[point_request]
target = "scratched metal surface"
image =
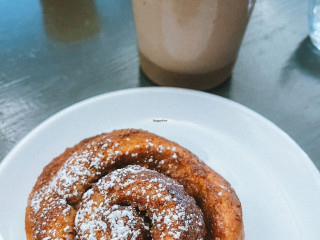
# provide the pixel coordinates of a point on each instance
(54, 54)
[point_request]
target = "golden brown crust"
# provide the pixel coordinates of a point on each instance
(163, 200)
(62, 184)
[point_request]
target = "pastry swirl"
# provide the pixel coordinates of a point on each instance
(131, 184)
(173, 213)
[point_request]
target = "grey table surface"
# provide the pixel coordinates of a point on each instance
(54, 54)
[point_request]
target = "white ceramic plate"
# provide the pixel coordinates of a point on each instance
(278, 185)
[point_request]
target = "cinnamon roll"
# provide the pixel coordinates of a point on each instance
(131, 184)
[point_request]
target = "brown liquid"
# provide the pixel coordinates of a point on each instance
(200, 81)
(189, 43)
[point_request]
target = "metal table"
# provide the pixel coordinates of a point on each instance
(54, 54)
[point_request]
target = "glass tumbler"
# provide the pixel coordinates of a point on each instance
(190, 43)
(314, 22)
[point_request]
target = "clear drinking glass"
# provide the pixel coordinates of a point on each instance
(314, 22)
(190, 43)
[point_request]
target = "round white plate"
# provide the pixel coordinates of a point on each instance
(278, 185)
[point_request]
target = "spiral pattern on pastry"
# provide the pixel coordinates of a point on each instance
(131, 184)
(173, 213)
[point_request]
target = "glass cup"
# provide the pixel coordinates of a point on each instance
(190, 43)
(69, 21)
(314, 22)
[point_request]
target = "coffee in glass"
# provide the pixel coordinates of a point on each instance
(190, 43)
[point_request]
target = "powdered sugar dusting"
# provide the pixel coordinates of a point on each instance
(71, 181)
(162, 198)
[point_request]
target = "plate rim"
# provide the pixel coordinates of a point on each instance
(244, 109)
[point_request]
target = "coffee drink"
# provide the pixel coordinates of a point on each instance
(190, 43)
